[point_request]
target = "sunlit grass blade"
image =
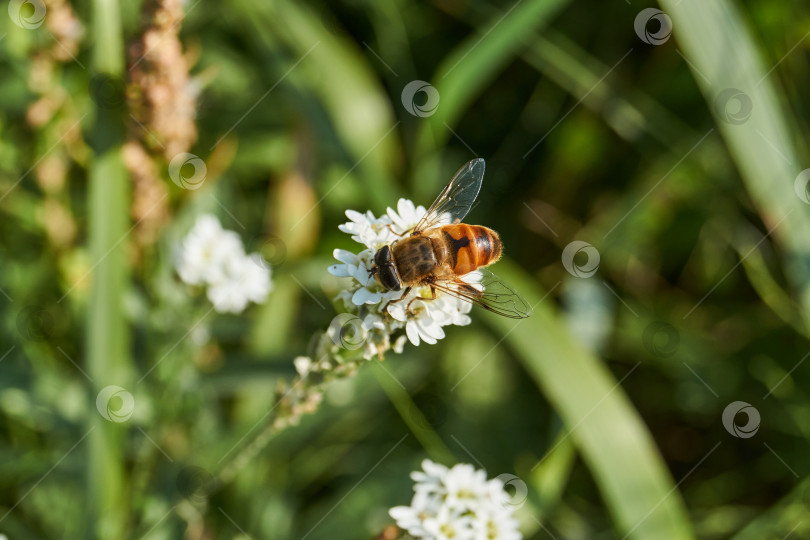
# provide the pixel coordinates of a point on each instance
(630, 112)
(610, 435)
(739, 88)
(549, 478)
(331, 66)
(466, 71)
(476, 61)
(767, 287)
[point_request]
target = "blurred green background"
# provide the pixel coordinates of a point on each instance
(678, 158)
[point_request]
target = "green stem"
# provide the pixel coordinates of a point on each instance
(107, 338)
(414, 419)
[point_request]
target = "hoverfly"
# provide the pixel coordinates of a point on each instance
(440, 250)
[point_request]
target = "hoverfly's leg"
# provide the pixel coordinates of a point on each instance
(432, 297)
(395, 232)
(400, 299)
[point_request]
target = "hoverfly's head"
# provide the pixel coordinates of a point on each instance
(384, 270)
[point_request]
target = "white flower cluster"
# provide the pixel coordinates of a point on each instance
(366, 298)
(214, 257)
(457, 503)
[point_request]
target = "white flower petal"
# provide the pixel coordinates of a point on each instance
(430, 340)
(302, 364)
(399, 344)
(399, 225)
(473, 277)
(362, 275)
(397, 311)
(345, 256)
(412, 332)
(364, 296)
(434, 469)
(227, 297)
(372, 321)
(406, 209)
(215, 257)
(339, 270)
(431, 329)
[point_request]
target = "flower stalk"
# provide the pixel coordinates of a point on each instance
(369, 326)
(107, 342)
(301, 396)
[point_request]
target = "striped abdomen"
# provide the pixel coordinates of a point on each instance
(464, 248)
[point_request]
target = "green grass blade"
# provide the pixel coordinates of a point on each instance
(723, 54)
(477, 60)
(550, 477)
(786, 518)
(332, 67)
(630, 112)
(469, 69)
(610, 435)
(412, 416)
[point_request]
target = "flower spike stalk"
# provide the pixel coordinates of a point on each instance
(369, 327)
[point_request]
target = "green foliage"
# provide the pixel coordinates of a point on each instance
(677, 162)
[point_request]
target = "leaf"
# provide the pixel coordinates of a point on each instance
(742, 95)
(607, 430)
(333, 68)
(469, 69)
(476, 62)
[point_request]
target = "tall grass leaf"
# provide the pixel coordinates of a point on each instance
(786, 518)
(467, 71)
(344, 82)
(610, 435)
(739, 88)
(476, 62)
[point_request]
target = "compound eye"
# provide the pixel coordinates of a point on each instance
(383, 256)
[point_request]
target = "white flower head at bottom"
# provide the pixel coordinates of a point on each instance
(457, 502)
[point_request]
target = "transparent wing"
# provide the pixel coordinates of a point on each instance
(491, 293)
(456, 198)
